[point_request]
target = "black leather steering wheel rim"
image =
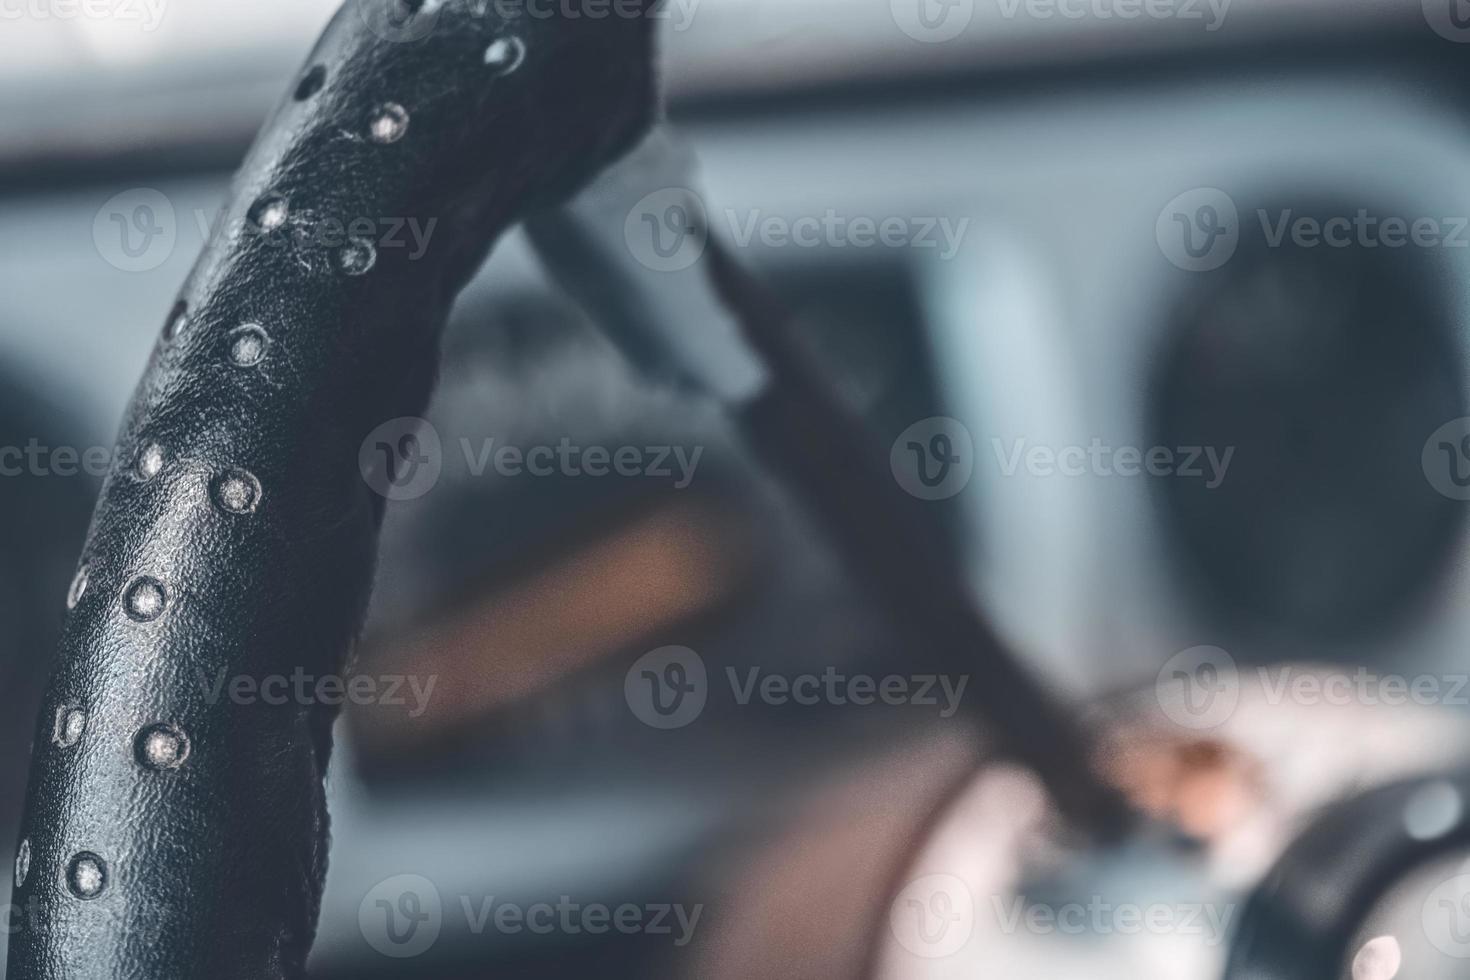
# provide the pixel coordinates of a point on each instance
(170, 832)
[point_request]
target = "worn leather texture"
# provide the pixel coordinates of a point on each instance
(172, 829)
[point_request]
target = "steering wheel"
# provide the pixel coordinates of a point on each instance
(172, 831)
(168, 832)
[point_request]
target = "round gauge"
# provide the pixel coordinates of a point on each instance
(1319, 372)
